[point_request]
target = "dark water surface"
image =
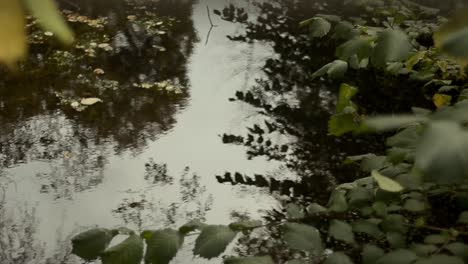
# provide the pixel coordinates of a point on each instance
(134, 160)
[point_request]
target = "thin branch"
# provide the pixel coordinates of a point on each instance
(209, 17)
(211, 25)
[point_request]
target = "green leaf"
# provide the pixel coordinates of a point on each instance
(344, 30)
(458, 249)
(414, 205)
(47, 13)
(360, 196)
(371, 253)
(396, 240)
(337, 202)
(294, 211)
(302, 237)
(437, 239)
(245, 225)
(392, 45)
(380, 209)
(423, 250)
(452, 37)
(315, 208)
(13, 44)
(439, 259)
(400, 256)
(213, 241)
(250, 260)
(342, 123)
(394, 223)
(346, 93)
(337, 70)
(415, 59)
(463, 218)
(366, 227)
(342, 231)
(130, 251)
(319, 27)
(442, 153)
(338, 258)
(163, 245)
(90, 244)
(191, 226)
(334, 70)
(386, 123)
(385, 183)
(359, 46)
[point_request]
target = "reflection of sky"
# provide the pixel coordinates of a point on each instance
(216, 70)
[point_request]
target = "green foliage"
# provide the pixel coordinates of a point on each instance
(162, 245)
(302, 237)
(213, 240)
(130, 251)
(90, 244)
(250, 260)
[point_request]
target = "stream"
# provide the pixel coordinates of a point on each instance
(61, 175)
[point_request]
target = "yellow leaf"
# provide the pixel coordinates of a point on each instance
(13, 45)
(441, 100)
(49, 18)
(90, 101)
(386, 183)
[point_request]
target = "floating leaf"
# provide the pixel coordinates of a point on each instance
(13, 45)
(342, 231)
(302, 237)
(130, 251)
(90, 244)
(386, 183)
(213, 241)
(392, 45)
(163, 246)
(250, 260)
(90, 101)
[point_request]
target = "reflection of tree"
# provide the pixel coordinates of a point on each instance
(193, 203)
(38, 122)
(293, 103)
(128, 116)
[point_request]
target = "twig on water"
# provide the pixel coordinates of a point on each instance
(211, 25)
